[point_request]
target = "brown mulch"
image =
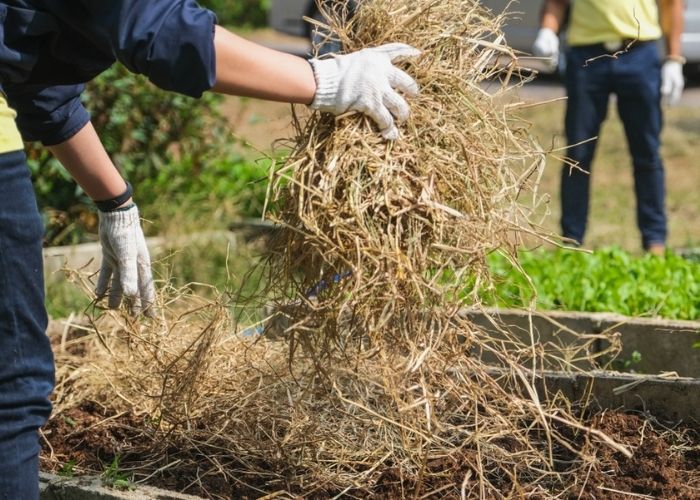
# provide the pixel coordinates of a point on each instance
(665, 465)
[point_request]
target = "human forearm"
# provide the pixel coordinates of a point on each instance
(246, 69)
(672, 23)
(553, 14)
(125, 272)
(89, 164)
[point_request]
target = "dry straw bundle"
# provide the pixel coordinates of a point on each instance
(401, 223)
(379, 241)
(369, 380)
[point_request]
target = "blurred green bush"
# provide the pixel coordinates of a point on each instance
(240, 13)
(177, 152)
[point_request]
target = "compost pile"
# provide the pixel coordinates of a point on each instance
(366, 379)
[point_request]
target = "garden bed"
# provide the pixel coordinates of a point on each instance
(87, 438)
(665, 464)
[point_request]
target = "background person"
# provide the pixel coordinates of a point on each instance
(613, 49)
(48, 48)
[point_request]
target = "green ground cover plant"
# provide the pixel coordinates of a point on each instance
(607, 280)
(115, 478)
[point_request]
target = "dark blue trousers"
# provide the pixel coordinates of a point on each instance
(26, 360)
(635, 77)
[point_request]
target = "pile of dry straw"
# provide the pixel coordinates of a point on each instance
(367, 380)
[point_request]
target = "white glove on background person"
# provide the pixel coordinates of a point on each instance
(126, 264)
(547, 46)
(366, 81)
(672, 81)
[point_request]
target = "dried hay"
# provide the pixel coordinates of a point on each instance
(410, 222)
(373, 382)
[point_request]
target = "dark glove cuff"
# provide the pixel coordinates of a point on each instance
(114, 203)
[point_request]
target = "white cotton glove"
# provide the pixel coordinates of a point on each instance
(546, 46)
(366, 81)
(125, 262)
(672, 81)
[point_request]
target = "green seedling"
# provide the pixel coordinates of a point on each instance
(608, 280)
(115, 478)
(68, 469)
(628, 365)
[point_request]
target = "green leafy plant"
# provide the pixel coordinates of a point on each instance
(68, 469)
(608, 280)
(628, 364)
(115, 478)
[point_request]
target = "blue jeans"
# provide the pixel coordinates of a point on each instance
(635, 77)
(26, 360)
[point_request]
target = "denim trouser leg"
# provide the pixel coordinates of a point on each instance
(637, 83)
(26, 360)
(635, 77)
(588, 90)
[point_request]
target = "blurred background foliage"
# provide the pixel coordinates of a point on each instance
(239, 13)
(178, 153)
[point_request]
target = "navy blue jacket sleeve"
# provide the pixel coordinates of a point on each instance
(169, 41)
(50, 114)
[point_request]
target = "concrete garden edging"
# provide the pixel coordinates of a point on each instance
(665, 345)
(54, 487)
(667, 398)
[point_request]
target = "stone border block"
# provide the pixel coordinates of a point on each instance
(54, 487)
(665, 345)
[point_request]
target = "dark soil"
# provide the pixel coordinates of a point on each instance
(665, 465)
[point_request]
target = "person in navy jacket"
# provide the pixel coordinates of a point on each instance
(48, 50)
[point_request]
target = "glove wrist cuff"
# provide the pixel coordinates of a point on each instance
(120, 218)
(327, 83)
(677, 59)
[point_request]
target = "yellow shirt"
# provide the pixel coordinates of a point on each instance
(10, 140)
(600, 21)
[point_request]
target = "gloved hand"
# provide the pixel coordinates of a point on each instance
(672, 81)
(125, 262)
(547, 46)
(366, 81)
